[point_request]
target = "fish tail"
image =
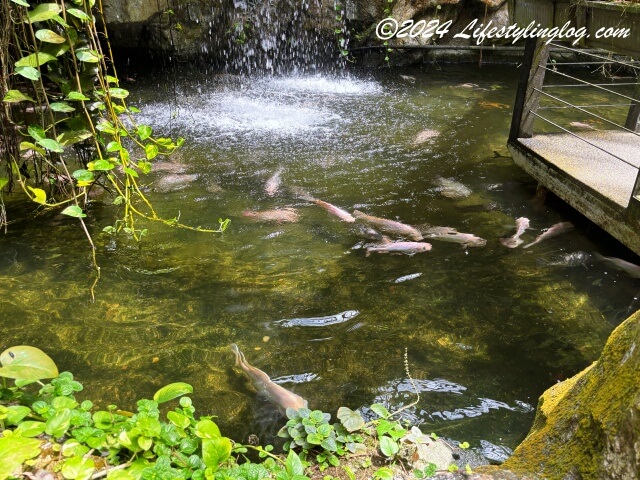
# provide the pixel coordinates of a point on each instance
(238, 353)
(302, 194)
(598, 257)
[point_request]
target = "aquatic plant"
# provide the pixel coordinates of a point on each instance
(66, 127)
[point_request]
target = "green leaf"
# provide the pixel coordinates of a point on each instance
(86, 55)
(351, 420)
(21, 2)
(37, 132)
(76, 96)
(73, 448)
(112, 80)
(73, 136)
(51, 144)
(28, 72)
(144, 132)
(206, 428)
(106, 127)
(380, 410)
(61, 107)
(74, 211)
(293, 464)
(215, 451)
(49, 36)
(15, 450)
(76, 12)
(58, 425)
(83, 175)
(34, 60)
(78, 468)
(131, 172)
(173, 390)
(178, 419)
(30, 429)
(3, 182)
(388, 446)
(27, 363)
(16, 413)
(118, 92)
(44, 11)
(15, 96)
(383, 473)
(100, 165)
(151, 151)
(145, 167)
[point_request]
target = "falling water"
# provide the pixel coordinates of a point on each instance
(281, 36)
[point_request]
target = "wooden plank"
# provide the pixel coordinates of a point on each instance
(536, 53)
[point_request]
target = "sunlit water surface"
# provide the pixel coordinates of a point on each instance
(486, 329)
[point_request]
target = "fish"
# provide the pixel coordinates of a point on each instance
(629, 268)
(430, 230)
(450, 188)
(276, 394)
(408, 248)
(408, 78)
(550, 232)
(332, 209)
(425, 136)
(319, 321)
(391, 227)
(405, 278)
(465, 239)
(582, 126)
(279, 215)
(367, 232)
(469, 85)
(573, 259)
(272, 185)
(522, 224)
(493, 105)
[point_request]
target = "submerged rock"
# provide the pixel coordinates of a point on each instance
(589, 425)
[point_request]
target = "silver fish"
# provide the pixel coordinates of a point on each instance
(450, 188)
(522, 224)
(390, 226)
(332, 209)
(425, 136)
(276, 394)
(405, 278)
(272, 185)
(408, 248)
(465, 239)
(320, 321)
(629, 268)
(550, 232)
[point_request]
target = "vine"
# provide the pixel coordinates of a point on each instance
(66, 126)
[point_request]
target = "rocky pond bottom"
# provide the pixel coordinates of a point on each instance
(486, 328)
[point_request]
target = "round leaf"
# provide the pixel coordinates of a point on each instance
(388, 447)
(78, 468)
(171, 391)
(351, 420)
(27, 363)
(49, 36)
(74, 211)
(44, 11)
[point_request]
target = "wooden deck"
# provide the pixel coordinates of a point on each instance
(597, 174)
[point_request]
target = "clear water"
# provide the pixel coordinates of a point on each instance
(487, 329)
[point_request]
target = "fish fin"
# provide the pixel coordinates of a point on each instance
(239, 354)
(385, 240)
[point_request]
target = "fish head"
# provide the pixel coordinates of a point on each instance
(511, 242)
(425, 247)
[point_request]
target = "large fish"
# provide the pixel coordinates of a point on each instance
(573, 259)
(390, 226)
(272, 185)
(279, 215)
(522, 224)
(629, 268)
(450, 188)
(408, 248)
(550, 232)
(332, 209)
(276, 394)
(465, 239)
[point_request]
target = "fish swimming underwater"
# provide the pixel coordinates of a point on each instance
(408, 248)
(332, 209)
(629, 268)
(451, 188)
(465, 239)
(550, 232)
(522, 224)
(272, 185)
(392, 227)
(276, 394)
(279, 215)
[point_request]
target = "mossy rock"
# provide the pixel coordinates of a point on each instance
(588, 427)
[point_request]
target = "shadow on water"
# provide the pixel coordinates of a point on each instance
(487, 329)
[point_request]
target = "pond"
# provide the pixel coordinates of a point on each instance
(486, 329)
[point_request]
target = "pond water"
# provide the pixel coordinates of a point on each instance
(486, 329)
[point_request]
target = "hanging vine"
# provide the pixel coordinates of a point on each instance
(66, 126)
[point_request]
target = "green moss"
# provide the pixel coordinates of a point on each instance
(583, 425)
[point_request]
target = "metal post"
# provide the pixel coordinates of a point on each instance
(527, 100)
(633, 116)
